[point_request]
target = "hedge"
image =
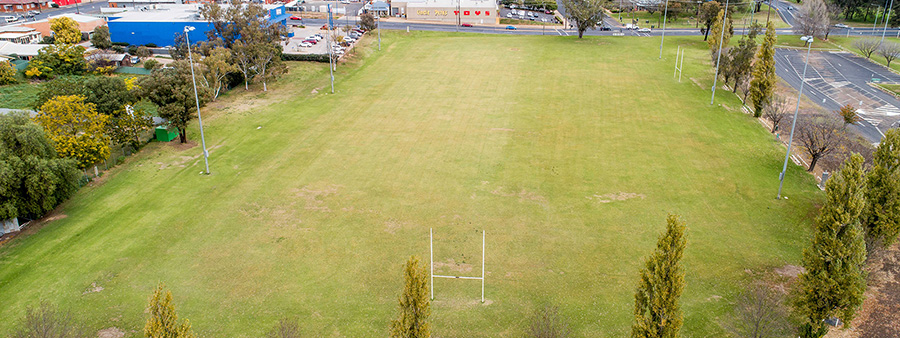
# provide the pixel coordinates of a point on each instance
(305, 57)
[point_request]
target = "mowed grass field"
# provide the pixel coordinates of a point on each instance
(569, 153)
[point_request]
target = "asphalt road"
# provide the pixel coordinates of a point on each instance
(835, 79)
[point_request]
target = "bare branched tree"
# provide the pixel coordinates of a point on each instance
(759, 312)
(286, 328)
(890, 51)
(819, 136)
(47, 321)
(867, 46)
(776, 110)
(547, 323)
(814, 19)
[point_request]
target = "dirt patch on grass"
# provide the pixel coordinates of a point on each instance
(93, 289)
(452, 265)
(523, 195)
(502, 129)
(313, 196)
(112, 332)
(789, 271)
(615, 197)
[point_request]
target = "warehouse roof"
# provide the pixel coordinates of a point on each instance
(167, 13)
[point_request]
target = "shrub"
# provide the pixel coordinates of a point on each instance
(47, 321)
(132, 50)
(305, 57)
(151, 45)
(123, 44)
(151, 64)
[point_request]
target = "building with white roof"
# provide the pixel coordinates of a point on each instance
(19, 34)
(23, 51)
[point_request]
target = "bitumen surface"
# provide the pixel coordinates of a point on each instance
(836, 78)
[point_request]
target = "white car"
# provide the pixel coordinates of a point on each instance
(509, 15)
(315, 37)
(643, 30)
(840, 25)
(305, 44)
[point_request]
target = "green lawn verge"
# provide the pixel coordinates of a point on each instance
(316, 200)
(684, 20)
(18, 96)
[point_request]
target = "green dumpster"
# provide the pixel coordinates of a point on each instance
(166, 134)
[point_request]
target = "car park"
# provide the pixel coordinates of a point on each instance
(305, 44)
(512, 28)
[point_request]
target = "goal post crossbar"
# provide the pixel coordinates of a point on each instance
(456, 277)
(431, 263)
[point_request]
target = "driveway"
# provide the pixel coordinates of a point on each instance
(835, 79)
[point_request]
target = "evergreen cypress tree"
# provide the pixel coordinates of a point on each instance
(834, 281)
(412, 321)
(163, 321)
(882, 215)
(762, 87)
(656, 310)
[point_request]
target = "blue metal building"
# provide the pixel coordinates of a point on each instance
(159, 24)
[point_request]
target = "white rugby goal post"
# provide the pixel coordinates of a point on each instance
(431, 243)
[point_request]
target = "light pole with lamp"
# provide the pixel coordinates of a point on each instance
(665, 16)
(887, 16)
(719, 56)
(196, 97)
(809, 40)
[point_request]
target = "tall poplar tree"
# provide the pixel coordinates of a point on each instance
(762, 87)
(882, 214)
(656, 309)
(834, 280)
(716, 34)
(415, 306)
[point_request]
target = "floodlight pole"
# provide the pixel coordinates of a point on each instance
(196, 97)
(378, 24)
(665, 17)
(887, 17)
(328, 24)
(787, 156)
(482, 266)
(431, 260)
(719, 56)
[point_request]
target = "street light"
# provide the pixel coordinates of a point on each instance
(665, 16)
(809, 40)
(196, 98)
(887, 16)
(719, 56)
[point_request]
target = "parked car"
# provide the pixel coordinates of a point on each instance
(511, 28)
(310, 41)
(509, 15)
(548, 12)
(466, 25)
(790, 8)
(643, 30)
(296, 18)
(605, 28)
(305, 44)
